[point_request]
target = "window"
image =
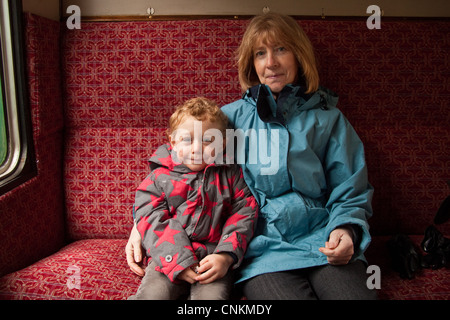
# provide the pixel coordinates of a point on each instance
(17, 163)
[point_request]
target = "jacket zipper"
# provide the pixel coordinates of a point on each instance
(202, 193)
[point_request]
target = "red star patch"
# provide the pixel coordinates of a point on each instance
(166, 215)
(196, 245)
(155, 201)
(217, 183)
(209, 205)
(191, 249)
(234, 219)
(159, 171)
(214, 233)
(167, 161)
(166, 235)
(238, 193)
(251, 202)
(180, 188)
(143, 226)
(144, 184)
(192, 205)
(173, 212)
(169, 268)
(231, 180)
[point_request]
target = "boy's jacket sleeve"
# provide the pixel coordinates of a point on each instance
(240, 225)
(162, 237)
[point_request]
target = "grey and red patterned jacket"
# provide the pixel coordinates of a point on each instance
(182, 216)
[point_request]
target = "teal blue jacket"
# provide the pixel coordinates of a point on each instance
(305, 165)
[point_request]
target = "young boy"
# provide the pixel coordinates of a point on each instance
(194, 213)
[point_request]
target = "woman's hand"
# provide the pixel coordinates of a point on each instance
(213, 267)
(339, 247)
(134, 252)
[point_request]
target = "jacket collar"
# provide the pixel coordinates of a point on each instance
(292, 96)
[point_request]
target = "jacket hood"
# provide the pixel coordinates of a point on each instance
(162, 157)
(270, 110)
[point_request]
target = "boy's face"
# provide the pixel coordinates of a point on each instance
(197, 143)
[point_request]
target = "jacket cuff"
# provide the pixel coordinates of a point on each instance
(172, 268)
(355, 232)
(234, 256)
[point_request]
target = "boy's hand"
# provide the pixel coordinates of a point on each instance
(213, 267)
(188, 274)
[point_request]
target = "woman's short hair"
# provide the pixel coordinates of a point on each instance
(273, 28)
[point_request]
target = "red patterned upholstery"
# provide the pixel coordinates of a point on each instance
(104, 166)
(32, 215)
(121, 81)
(85, 269)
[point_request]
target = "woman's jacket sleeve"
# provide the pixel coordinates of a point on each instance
(350, 194)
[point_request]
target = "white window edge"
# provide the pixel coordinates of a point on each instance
(11, 166)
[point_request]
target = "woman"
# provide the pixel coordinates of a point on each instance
(312, 230)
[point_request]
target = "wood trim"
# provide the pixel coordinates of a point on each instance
(116, 18)
(162, 18)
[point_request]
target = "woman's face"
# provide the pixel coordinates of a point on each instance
(275, 65)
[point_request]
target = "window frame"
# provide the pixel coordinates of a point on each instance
(3, 129)
(20, 165)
